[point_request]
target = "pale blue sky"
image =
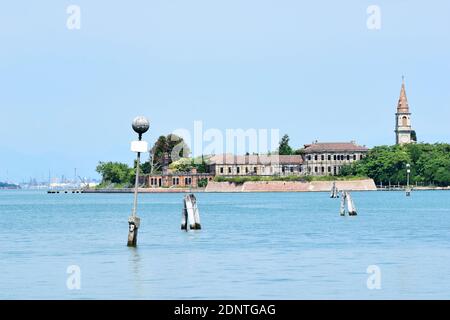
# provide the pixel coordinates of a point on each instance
(309, 68)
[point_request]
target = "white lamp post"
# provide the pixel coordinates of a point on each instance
(140, 126)
(408, 172)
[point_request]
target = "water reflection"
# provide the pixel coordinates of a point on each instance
(135, 268)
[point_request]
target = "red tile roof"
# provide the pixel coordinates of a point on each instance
(334, 147)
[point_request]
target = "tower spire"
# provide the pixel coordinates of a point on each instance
(403, 130)
(402, 106)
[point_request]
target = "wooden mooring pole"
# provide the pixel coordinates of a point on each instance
(190, 216)
(134, 221)
(346, 200)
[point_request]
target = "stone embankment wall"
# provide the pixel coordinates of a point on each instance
(290, 186)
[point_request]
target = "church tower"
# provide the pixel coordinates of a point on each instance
(403, 130)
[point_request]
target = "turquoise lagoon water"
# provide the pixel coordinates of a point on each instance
(252, 246)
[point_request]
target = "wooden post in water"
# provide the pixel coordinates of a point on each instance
(140, 125)
(342, 208)
(334, 191)
(197, 224)
(190, 214)
(350, 205)
(184, 216)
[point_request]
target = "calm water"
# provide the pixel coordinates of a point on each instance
(258, 246)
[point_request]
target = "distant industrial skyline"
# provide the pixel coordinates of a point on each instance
(315, 71)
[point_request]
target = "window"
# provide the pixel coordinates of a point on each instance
(292, 169)
(238, 169)
(354, 157)
(246, 169)
(329, 157)
(404, 121)
(361, 157)
(323, 169)
(309, 157)
(322, 157)
(221, 169)
(329, 169)
(334, 171)
(315, 169)
(315, 157)
(229, 169)
(254, 169)
(334, 157)
(348, 157)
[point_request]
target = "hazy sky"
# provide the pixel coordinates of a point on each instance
(311, 69)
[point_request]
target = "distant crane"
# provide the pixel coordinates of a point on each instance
(83, 181)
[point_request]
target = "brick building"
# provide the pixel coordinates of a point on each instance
(176, 179)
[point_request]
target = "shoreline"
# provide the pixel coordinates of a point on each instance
(179, 190)
(271, 186)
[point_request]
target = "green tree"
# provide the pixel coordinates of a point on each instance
(182, 165)
(298, 151)
(284, 147)
(200, 164)
(202, 183)
(172, 145)
(115, 172)
(430, 164)
(145, 167)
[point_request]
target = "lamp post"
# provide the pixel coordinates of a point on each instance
(408, 172)
(140, 126)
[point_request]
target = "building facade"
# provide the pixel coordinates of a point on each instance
(317, 159)
(255, 165)
(321, 159)
(168, 179)
(403, 129)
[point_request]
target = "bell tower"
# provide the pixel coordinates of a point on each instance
(403, 128)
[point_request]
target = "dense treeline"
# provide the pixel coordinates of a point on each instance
(430, 164)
